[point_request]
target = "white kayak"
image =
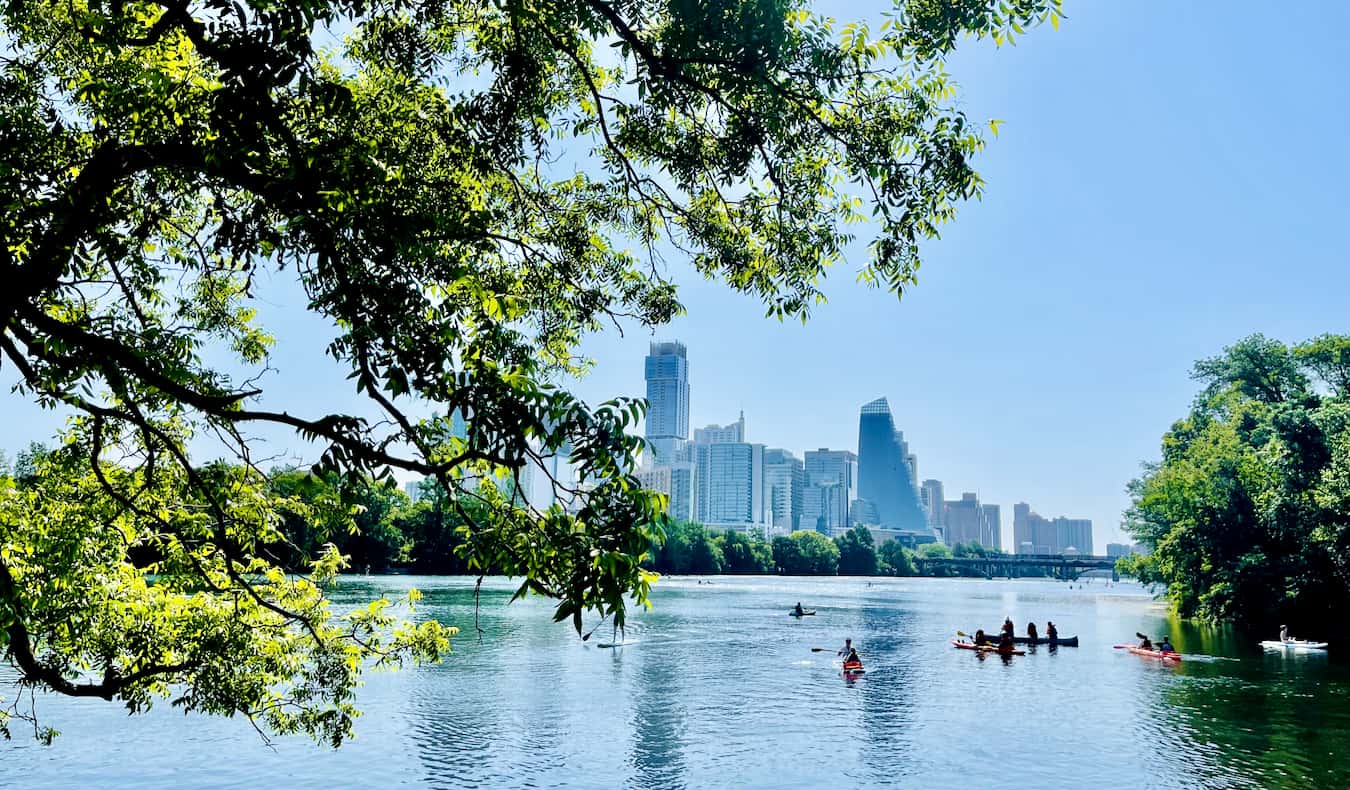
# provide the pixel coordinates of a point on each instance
(1293, 644)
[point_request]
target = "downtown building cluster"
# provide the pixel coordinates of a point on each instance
(721, 479)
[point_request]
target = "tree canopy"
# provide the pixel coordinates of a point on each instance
(462, 190)
(1248, 510)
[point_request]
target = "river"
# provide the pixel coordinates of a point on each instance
(720, 688)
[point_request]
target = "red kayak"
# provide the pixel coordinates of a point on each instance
(1164, 655)
(987, 648)
(853, 668)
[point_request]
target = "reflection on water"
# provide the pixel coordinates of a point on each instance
(718, 687)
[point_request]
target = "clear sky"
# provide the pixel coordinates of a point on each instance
(1167, 181)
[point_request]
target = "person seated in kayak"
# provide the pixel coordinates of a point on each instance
(1008, 626)
(1284, 633)
(1005, 641)
(853, 658)
(798, 611)
(1166, 645)
(980, 638)
(1051, 632)
(1144, 642)
(1031, 631)
(848, 648)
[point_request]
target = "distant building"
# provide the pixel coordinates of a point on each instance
(667, 424)
(1119, 549)
(678, 482)
(831, 487)
(784, 485)
(721, 434)
(731, 486)
(1035, 534)
(932, 497)
(413, 488)
(964, 520)
(884, 475)
(991, 535)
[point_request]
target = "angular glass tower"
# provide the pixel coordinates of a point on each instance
(884, 472)
(667, 374)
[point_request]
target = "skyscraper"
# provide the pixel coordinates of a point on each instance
(731, 485)
(933, 496)
(884, 470)
(1035, 534)
(992, 537)
(831, 487)
(784, 481)
(667, 374)
(721, 434)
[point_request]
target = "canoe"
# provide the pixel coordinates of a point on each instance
(986, 648)
(803, 614)
(1165, 655)
(1294, 644)
(1063, 641)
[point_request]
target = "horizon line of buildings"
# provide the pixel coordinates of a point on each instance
(724, 481)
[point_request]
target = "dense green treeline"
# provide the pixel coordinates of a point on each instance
(1248, 510)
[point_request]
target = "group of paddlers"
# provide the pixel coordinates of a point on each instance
(1005, 636)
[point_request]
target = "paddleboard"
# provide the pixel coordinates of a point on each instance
(1294, 644)
(614, 644)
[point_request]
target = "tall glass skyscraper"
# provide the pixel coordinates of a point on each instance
(884, 471)
(667, 374)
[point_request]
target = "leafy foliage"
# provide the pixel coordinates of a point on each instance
(857, 552)
(805, 553)
(462, 190)
(1247, 512)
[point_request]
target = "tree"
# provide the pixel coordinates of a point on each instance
(857, 552)
(1245, 511)
(806, 553)
(743, 554)
(896, 559)
(158, 155)
(936, 551)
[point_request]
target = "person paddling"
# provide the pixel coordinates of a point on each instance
(1144, 642)
(1008, 627)
(1005, 642)
(1284, 633)
(798, 611)
(980, 638)
(1031, 632)
(847, 649)
(1166, 645)
(1051, 632)
(852, 661)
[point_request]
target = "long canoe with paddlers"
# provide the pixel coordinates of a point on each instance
(1060, 641)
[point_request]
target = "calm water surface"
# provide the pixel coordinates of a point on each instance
(719, 688)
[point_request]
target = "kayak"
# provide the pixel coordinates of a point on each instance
(853, 668)
(1165, 655)
(1294, 644)
(803, 614)
(987, 648)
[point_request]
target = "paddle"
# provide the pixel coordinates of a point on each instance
(827, 650)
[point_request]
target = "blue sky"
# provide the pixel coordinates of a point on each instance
(1166, 181)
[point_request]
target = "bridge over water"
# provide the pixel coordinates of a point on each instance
(1055, 566)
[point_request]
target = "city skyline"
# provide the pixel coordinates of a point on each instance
(723, 479)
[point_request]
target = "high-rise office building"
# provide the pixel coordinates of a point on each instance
(934, 503)
(678, 481)
(831, 487)
(731, 486)
(992, 536)
(964, 520)
(721, 434)
(667, 428)
(1035, 534)
(884, 470)
(784, 481)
